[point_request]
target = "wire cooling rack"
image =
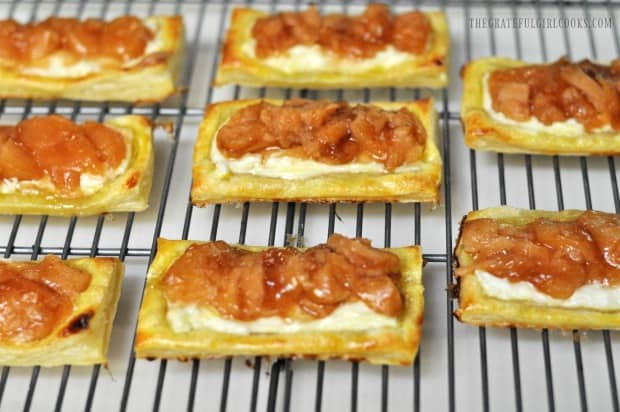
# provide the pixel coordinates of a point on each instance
(459, 367)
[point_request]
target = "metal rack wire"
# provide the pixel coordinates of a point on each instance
(276, 384)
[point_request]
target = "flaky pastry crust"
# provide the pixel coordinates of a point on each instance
(429, 69)
(152, 79)
(482, 132)
(388, 345)
(82, 338)
(128, 192)
(210, 186)
(477, 308)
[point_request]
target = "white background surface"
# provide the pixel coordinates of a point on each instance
(434, 384)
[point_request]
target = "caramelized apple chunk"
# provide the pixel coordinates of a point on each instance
(333, 133)
(16, 162)
(556, 257)
(121, 40)
(56, 147)
(584, 91)
(36, 297)
(245, 285)
(360, 36)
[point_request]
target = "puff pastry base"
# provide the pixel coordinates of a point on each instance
(237, 66)
(211, 186)
(72, 343)
(394, 345)
(150, 80)
(127, 192)
(477, 308)
(482, 132)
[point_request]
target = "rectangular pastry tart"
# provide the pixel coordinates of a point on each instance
(53, 166)
(316, 151)
(343, 299)
(559, 108)
(539, 269)
(307, 50)
(57, 312)
(125, 59)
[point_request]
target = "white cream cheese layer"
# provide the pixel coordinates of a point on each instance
(348, 317)
(570, 127)
(8, 186)
(592, 296)
(301, 58)
(58, 68)
(287, 167)
(89, 183)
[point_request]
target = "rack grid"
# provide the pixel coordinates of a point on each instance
(465, 368)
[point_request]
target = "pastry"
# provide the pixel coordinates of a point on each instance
(50, 165)
(560, 108)
(344, 300)
(539, 269)
(57, 312)
(299, 150)
(126, 59)
(306, 50)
